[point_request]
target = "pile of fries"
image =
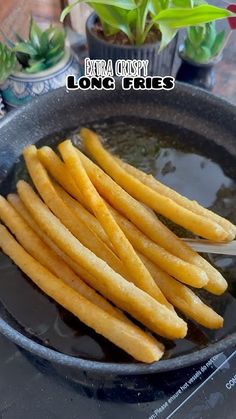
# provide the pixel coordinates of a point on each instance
(90, 238)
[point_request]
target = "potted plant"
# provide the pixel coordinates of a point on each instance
(139, 29)
(8, 63)
(38, 65)
(201, 50)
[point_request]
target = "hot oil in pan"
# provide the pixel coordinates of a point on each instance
(195, 168)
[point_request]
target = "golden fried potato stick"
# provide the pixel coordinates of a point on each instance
(184, 298)
(149, 224)
(130, 338)
(60, 173)
(110, 284)
(81, 212)
(178, 268)
(193, 206)
(161, 204)
(137, 271)
(76, 226)
(21, 209)
(185, 272)
(43, 254)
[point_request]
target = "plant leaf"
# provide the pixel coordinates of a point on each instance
(35, 34)
(219, 40)
(25, 47)
(123, 4)
(115, 17)
(182, 17)
(183, 3)
(167, 34)
(154, 7)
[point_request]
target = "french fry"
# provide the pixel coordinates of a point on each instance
(178, 268)
(59, 172)
(110, 284)
(137, 271)
(193, 206)
(161, 204)
(76, 226)
(184, 298)
(32, 243)
(150, 225)
(130, 338)
(83, 214)
(174, 266)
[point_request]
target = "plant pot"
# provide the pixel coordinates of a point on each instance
(198, 74)
(2, 107)
(159, 64)
(21, 87)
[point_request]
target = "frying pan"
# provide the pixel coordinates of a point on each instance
(198, 121)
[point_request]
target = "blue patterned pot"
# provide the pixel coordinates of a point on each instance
(21, 87)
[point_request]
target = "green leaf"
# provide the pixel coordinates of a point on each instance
(202, 55)
(36, 67)
(56, 37)
(196, 35)
(26, 48)
(210, 35)
(183, 3)
(44, 43)
(54, 60)
(115, 17)
(53, 52)
(167, 34)
(143, 10)
(35, 34)
(124, 4)
(180, 17)
(154, 7)
(108, 30)
(218, 44)
(189, 51)
(7, 62)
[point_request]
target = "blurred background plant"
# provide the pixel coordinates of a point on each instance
(204, 43)
(42, 50)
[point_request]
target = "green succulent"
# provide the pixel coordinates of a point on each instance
(203, 42)
(8, 62)
(42, 50)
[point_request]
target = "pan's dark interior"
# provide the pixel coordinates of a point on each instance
(188, 162)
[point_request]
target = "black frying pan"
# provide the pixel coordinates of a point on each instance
(187, 137)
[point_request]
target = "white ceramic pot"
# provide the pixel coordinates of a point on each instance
(21, 87)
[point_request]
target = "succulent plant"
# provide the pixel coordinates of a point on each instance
(8, 62)
(42, 50)
(203, 43)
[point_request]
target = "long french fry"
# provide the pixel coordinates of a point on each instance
(149, 224)
(18, 205)
(137, 271)
(110, 284)
(178, 294)
(161, 204)
(131, 339)
(77, 227)
(185, 272)
(44, 255)
(184, 298)
(21, 209)
(81, 212)
(178, 268)
(59, 171)
(193, 206)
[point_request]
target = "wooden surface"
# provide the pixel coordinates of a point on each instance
(15, 14)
